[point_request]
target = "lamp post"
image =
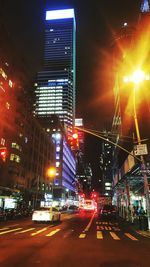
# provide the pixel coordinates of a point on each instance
(137, 77)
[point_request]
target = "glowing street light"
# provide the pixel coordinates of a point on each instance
(137, 77)
(51, 172)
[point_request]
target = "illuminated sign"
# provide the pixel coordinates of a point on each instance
(60, 14)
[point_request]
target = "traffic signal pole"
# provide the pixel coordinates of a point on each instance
(143, 167)
(141, 160)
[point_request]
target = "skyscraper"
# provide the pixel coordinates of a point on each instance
(55, 87)
(55, 95)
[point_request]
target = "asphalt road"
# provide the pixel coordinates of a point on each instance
(77, 241)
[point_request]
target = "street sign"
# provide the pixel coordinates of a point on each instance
(140, 150)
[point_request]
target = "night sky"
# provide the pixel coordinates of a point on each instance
(96, 21)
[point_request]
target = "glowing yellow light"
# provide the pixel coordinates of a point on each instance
(126, 79)
(138, 76)
(51, 172)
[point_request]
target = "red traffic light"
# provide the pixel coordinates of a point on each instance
(3, 153)
(75, 135)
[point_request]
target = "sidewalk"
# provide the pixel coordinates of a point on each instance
(137, 227)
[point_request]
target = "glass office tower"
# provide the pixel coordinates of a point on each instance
(55, 87)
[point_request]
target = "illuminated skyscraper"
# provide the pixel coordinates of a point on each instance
(55, 87)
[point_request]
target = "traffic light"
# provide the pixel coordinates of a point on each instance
(3, 153)
(74, 141)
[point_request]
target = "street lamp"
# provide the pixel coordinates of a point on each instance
(51, 172)
(136, 78)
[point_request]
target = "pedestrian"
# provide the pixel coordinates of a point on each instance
(141, 213)
(132, 213)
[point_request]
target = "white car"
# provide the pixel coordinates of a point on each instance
(46, 214)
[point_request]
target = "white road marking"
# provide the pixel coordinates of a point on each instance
(114, 236)
(24, 231)
(82, 235)
(53, 232)
(4, 228)
(99, 235)
(131, 237)
(9, 231)
(40, 231)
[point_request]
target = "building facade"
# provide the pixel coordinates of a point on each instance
(55, 86)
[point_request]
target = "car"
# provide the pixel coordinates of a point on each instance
(88, 206)
(73, 208)
(108, 211)
(46, 214)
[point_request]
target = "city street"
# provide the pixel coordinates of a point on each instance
(78, 240)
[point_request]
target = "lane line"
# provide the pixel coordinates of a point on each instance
(53, 232)
(40, 231)
(9, 231)
(24, 231)
(99, 235)
(131, 237)
(83, 235)
(89, 224)
(114, 236)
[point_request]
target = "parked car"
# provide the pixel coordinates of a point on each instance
(46, 214)
(108, 211)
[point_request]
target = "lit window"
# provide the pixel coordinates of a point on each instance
(2, 141)
(58, 148)
(57, 163)
(12, 156)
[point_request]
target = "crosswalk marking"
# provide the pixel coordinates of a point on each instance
(12, 225)
(24, 231)
(82, 235)
(131, 236)
(40, 231)
(53, 232)
(9, 231)
(114, 236)
(99, 235)
(4, 228)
